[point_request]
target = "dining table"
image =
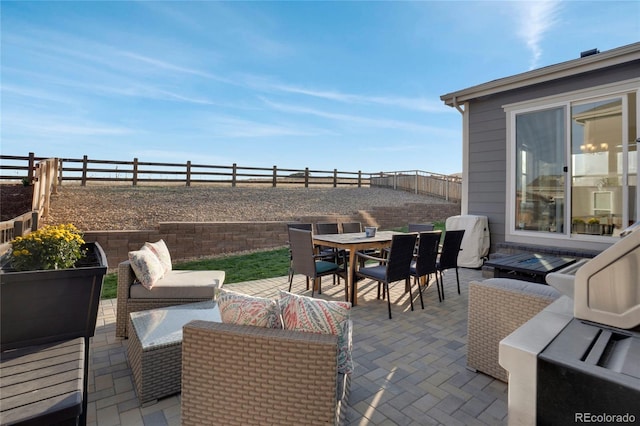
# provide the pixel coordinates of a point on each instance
(353, 242)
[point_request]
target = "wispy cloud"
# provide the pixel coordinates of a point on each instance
(173, 67)
(373, 122)
(232, 127)
(535, 19)
(418, 104)
(51, 126)
(37, 94)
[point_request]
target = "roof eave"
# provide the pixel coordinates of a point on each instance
(594, 62)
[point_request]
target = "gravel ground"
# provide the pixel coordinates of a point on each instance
(98, 208)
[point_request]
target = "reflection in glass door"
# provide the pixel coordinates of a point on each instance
(597, 181)
(632, 160)
(540, 158)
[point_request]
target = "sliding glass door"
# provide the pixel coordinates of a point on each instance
(581, 154)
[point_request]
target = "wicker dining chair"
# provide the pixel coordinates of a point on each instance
(395, 267)
(296, 225)
(329, 253)
(424, 263)
(421, 227)
(449, 255)
(310, 264)
(351, 227)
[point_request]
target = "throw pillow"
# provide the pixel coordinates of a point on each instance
(159, 248)
(303, 313)
(146, 266)
(242, 309)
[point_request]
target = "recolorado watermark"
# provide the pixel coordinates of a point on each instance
(604, 418)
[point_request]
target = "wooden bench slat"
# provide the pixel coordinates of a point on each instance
(71, 402)
(42, 381)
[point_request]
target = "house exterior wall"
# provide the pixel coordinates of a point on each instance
(487, 166)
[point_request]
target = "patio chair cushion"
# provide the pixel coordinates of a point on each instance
(181, 285)
(242, 309)
(323, 266)
(159, 248)
(378, 272)
(301, 313)
(146, 266)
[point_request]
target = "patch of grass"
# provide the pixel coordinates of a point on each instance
(109, 286)
(238, 268)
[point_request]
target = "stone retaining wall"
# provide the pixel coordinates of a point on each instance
(187, 240)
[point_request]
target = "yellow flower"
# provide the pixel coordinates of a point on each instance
(49, 247)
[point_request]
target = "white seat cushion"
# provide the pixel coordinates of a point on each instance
(181, 285)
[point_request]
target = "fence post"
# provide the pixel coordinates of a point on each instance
(359, 178)
(48, 181)
(275, 176)
(134, 179)
(395, 180)
(335, 177)
(306, 177)
(84, 171)
(446, 188)
(189, 173)
(234, 175)
(18, 228)
(32, 160)
(34, 221)
(60, 169)
(54, 175)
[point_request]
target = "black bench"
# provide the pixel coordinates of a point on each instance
(43, 384)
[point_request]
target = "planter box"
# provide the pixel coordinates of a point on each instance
(38, 307)
(592, 228)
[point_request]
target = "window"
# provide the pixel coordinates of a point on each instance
(580, 152)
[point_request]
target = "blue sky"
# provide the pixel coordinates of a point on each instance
(346, 85)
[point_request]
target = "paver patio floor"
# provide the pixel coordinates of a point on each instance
(410, 370)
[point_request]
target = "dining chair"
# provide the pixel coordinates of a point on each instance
(421, 227)
(351, 227)
(330, 253)
(327, 228)
(395, 267)
(306, 227)
(449, 255)
(310, 264)
(425, 259)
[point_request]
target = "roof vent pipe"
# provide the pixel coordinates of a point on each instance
(589, 52)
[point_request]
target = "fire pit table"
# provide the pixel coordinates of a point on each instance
(530, 267)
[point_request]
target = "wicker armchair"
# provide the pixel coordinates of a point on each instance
(246, 375)
(497, 307)
(182, 287)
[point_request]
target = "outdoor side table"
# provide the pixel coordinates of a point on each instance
(155, 347)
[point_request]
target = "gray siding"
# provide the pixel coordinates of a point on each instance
(487, 139)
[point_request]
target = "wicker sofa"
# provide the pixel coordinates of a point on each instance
(176, 288)
(497, 307)
(246, 375)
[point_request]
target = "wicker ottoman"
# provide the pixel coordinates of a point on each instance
(155, 347)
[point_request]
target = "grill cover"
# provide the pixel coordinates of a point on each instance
(475, 243)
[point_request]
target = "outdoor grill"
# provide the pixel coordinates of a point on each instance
(579, 360)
